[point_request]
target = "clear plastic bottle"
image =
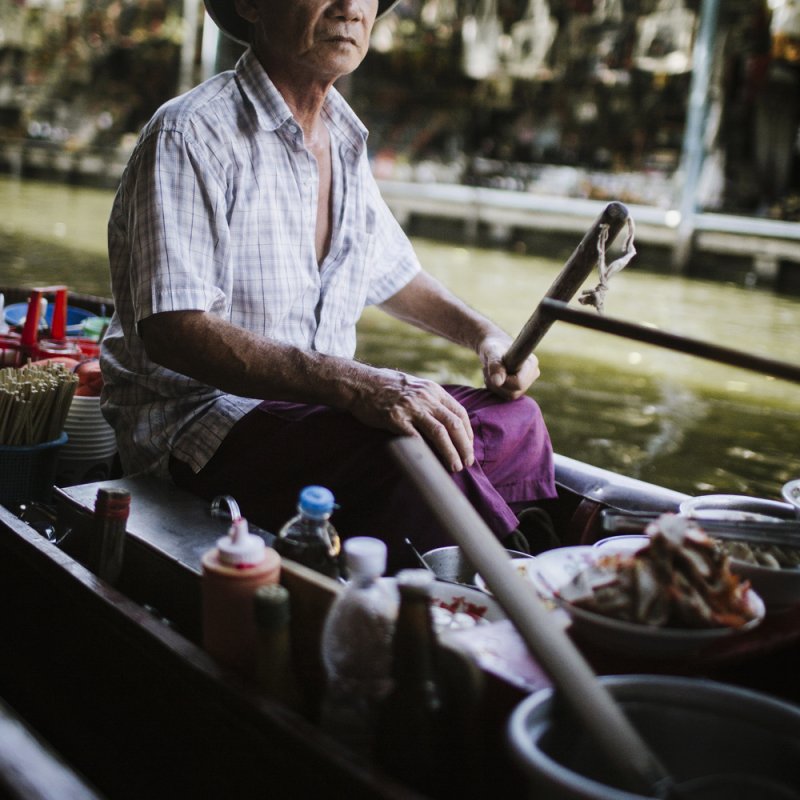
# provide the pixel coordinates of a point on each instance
(309, 538)
(357, 646)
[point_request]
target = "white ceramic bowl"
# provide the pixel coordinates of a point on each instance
(624, 543)
(791, 494)
(525, 566)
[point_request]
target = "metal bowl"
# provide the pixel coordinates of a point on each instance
(735, 507)
(716, 741)
(451, 564)
(779, 588)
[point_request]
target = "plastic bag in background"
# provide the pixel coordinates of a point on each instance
(531, 40)
(481, 35)
(785, 32)
(664, 39)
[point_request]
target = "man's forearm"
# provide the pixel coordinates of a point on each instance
(229, 358)
(429, 305)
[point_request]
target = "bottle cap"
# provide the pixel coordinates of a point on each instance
(240, 548)
(365, 556)
(415, 581)
(271, 605)
(316, 502)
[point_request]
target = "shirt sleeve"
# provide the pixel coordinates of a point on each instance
(178, 229)
(394, 261)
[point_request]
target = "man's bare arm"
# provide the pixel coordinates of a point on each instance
(229, 358)
(427, 304)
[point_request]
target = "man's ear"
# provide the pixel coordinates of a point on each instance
(248, 9)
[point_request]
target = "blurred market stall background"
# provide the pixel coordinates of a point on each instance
(499, 129)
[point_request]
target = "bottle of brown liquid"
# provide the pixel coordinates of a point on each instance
(274, 673)
(309, 538)
(111, 510)
(412, 719)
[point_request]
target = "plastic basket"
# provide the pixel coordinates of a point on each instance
(27, 473)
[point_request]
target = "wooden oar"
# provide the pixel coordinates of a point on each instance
(567, 282)
(553, 309)
(589, 700)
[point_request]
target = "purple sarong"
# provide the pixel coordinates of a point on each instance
(277, 449)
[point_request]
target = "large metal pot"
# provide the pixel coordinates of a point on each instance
(719, 742)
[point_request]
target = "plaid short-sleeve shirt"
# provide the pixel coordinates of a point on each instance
(216, 211)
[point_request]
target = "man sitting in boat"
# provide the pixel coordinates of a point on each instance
(245, 240)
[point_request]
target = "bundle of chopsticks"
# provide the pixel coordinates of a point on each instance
(34, 402)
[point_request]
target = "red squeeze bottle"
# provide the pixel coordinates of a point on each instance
(232, 571)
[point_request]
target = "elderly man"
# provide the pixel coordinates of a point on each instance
(245, 240)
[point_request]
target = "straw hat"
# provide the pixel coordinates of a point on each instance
(223, 12)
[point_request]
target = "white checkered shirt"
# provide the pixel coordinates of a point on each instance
(216, 212)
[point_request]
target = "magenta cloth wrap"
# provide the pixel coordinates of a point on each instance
(277, 449)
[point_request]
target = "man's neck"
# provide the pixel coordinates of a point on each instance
(305, 97)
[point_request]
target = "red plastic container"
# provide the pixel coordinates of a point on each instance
(57, 343)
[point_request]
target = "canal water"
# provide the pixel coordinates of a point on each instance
(674, 419)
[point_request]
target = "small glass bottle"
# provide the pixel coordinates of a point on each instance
(309, 538)
(356, 646)
(412, 731)
(111, 511)
(232, 572)
(274, 674)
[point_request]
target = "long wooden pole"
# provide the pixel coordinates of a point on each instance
(567, 282)
(589, 700)
(556, 310)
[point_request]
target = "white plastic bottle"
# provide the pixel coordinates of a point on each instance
(357, 646)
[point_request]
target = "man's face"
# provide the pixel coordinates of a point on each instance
(312, 39)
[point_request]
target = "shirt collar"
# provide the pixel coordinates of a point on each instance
(273, 112)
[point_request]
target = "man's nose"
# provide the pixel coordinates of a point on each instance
(350, 10)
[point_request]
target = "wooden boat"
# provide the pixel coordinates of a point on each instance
(115, 680)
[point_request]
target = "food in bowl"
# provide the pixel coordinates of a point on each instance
(763, 555)
(679, 579)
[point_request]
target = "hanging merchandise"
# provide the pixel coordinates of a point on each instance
(610, 36)
(664, 39)
(608, 11)
(481, 33)
(785, 31)
(531, 40)
(438, 14)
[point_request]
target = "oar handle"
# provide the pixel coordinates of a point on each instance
(590, 701)
(567, 282)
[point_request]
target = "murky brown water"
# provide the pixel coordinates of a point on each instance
(665, 417)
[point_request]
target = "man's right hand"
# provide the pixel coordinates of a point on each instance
(219, 354)
(414, 406)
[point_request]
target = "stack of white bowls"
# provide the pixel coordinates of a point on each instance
(89, 452)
